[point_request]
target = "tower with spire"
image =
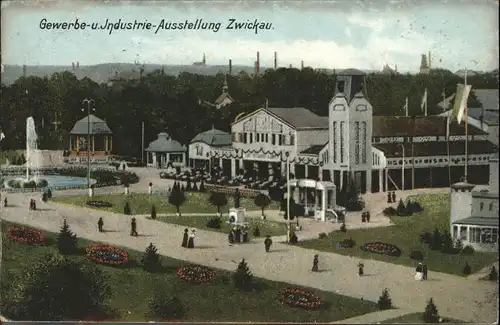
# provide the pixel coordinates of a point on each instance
(425, 66)
(224, 99)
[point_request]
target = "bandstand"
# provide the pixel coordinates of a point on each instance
(318, 199)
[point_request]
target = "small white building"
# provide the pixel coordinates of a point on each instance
(474, 212)
(165, 152)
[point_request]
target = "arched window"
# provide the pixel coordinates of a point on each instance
(481, 206)
(363, 141)
(357, 144)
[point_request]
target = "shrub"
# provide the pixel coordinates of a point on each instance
(414, 207)
(426, 238)
(459, 246)
(343, 227)
(214, 223)
(348, 243)
(293, 239)
(447, 243)
(389, 212)
(384, 301)
(177, 198)
(242, 278)
(262, 201)
(401, 209)
(151, 259)
(126, 209)
(431, 314)
(493, 276)
(322, 235)
(256, 231)
(153, 212)
(66, 240)
(417, 255)
(218, 200)
(467, 250)
(467, 269)
(437, 240)
(162, 305)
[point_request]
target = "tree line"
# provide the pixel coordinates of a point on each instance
(179, 105)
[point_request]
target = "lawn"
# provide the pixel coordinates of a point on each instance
(415, 318)
(405, 235)
(271, 228)
(141, 203)
(218, 301)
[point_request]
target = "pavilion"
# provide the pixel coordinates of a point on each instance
(165, 152)
(101, 140)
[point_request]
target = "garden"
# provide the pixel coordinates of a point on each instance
(196, 202)
(409, 240)
(125, 285)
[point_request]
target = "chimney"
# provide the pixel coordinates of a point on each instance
(301, 65)
(141, 72)
(230, 66)
(275, 60)
(290, 66)
(78, 64)
(429, 60)
(73, 65)
(25, 70)
(396, 68)
(257, 65)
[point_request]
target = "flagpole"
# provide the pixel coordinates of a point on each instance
(406, 106)
(426, 95)
(413, 155)
(466, 130)
(448, 120)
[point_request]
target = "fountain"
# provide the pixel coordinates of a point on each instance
(33, 156)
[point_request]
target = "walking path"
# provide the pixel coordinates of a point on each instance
(375, 317)
(455, 296)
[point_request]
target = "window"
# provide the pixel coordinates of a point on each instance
(364, 135)
(273, 139)
(490, 207)
(280, 139)
(257, 136)
(342, 142)
(334, 142)
(251, 137)
(481, 206)
(233, 137)
(463, 233)
(292, 140)
(357, 144)
(474, 235)
(245, 137)
(267, 138)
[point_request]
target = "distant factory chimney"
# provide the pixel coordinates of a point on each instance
(204, 59)
(257, 64)
(290, 66)
(73, 65)
(396, 68)
(301, 65)
(25, 70)
(77, 64)
(230, 66)
(275, 60)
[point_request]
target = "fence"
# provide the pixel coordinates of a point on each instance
(231, 190)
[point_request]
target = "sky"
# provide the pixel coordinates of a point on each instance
(340, 35)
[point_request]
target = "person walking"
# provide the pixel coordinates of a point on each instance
(100, 224)
(191, 239)
(393, 196)
(267, 243)
(315, 264)
(424, 272)
(185, 238)
(133, 227)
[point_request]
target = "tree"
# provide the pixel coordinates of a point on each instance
(56, 289)
(218, 200)
(153, 212)
(431, 314)
(437, 240)
(458, 245)
(351, 197)
(493, 275)
(242, 278)
(151, 259)
(262, 201)
(447, 243)
(177, 199)
(384, 301)
(66, 240)
(401, 209)
(163, 306)
(126, 209)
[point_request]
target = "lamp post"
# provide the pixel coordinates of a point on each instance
(89, 103)
(288, 208)
(402, 167)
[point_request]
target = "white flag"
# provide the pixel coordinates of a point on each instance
(462, 95)
(424, 101)
(2, 136)
(406, 106)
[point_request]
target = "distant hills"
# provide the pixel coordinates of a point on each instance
(103, 72)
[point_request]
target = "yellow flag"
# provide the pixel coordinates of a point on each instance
(461, 97)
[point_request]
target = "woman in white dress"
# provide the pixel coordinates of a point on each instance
(419, 272)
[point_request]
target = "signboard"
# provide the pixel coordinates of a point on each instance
(425, 139)
(392, 140)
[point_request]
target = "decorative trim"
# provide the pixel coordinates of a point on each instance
(437, 161)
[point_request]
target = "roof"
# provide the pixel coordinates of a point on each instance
(488, 98)
(165, 143)
(314, 150)
(299, 117)
(393, 126)
(214, 138)
(351, 72)
(489, 110)
(97, 126)
(485, 194)
(424, 149)
(223, 96)
(478, 221)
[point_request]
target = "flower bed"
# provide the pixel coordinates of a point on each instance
(300, 298)
(198, 274)
(106, 254)
(25, 235)
(382, 248)
(99, 204)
